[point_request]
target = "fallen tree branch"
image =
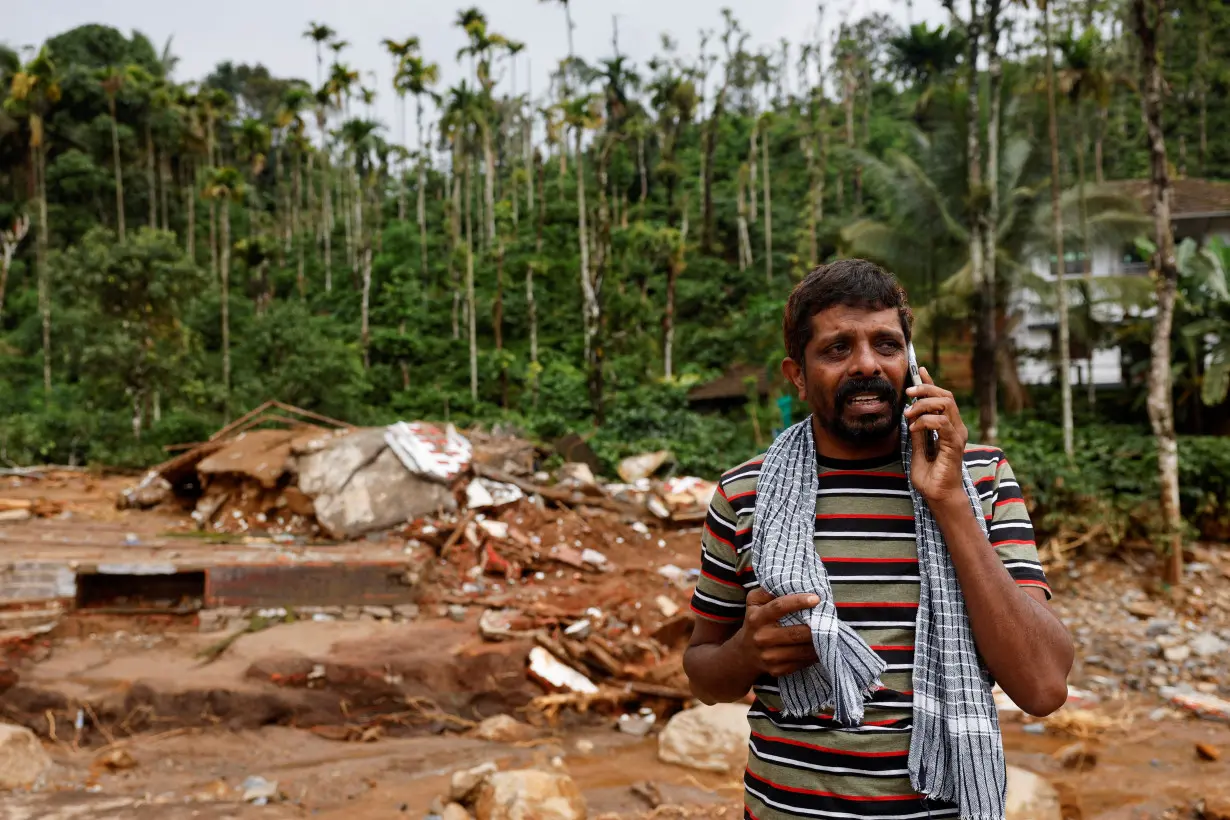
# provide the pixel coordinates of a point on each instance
(561, 495)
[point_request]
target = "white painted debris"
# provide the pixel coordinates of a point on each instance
(429, 451)
(495, 529)
(593, 557)
(639, 467)
(666, 606)
(482, 493)
(550, 672)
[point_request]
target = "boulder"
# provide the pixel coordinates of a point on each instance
(22, 758)
(464, 784)
(454, 811)
(529, 794)
(709, 738)
(328, 471)
(379, 495)
(503, 729)
(1031, 797)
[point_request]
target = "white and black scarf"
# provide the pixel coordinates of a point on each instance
(956, 751)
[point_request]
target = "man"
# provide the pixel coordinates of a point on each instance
(847, 330)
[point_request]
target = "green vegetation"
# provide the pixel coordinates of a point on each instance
(178, 250)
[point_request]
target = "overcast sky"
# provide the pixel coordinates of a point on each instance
(206, 32)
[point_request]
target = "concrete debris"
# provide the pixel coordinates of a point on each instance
(464, 785)
(483, 493)
(576, 475)
(152, 490)
(22, 758)
(503, 729)
(1030, 797)
(381, 495)
(636, 468)
(259, 791)
(550, 672)
(709, 738)
(1207, 706)
(441, 454)
(529, 794)
(637, 725)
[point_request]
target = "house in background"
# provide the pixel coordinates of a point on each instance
(1200, 209)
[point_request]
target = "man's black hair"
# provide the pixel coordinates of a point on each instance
(849, 282)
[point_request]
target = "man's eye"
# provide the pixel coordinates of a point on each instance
(890, 346)
(836, 349)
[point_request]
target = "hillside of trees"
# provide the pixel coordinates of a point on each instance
(572, 259)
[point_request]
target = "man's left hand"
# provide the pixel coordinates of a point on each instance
(934, 409)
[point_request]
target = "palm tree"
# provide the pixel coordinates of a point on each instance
(324, 98)
(1148, 18)
(295, 101)
(1061, 291)
(581, 114)
(417, 76)
(568, 20)
(361, 140)
(320, 34)
(400, 51)
(225, 186)
(461, 121)
(112, 80)
(33, 91)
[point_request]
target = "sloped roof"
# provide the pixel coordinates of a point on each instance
(1191, 197)
(730, 385)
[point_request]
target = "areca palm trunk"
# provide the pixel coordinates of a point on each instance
(421, 204)
(1148, 16)
(189, 171)
(296, 222)
(150, 178)
(1061, 290)
(471, 313)
(225, 291)
(489, 186)
(1091, 385)
(38, 160)
(987, 332)
(668, 315)
(751, 162)
(119, 170)
(326, 227)
(768, 211)
(588, 296)
(164, 186)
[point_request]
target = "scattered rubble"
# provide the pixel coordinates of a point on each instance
(1030, 797)
(529, 794)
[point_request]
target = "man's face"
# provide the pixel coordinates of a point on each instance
(854, 373)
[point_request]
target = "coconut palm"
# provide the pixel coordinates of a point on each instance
(320, 34)
(417, 76)
(112, 79)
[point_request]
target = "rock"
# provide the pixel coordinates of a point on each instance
(710, 738)
(1177, 654)
(1206, 645)
(1216, 808)
(633, 468)
(637, 725)
(1142, 609)
(1079, 756)
(575, 474)
(1159, 626)
(379, 495)
(666, 606)
(152, 491)
(457, 612)
(258, 790)
(529, 794)
(503, 729)
(115, 760)
(380, 613)
(407, 612)
(22, 759)
(1207, 751)
(1030, 797)
(464, 784)
(454, 811)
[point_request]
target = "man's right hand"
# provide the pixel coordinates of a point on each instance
(767, 645)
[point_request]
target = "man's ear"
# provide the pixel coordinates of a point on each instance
(794, 374)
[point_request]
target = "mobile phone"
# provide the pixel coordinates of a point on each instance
(932, 438)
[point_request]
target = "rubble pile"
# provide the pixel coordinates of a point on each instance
(1133, 636)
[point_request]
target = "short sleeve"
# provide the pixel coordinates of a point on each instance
(725, 564)
(1009, 528)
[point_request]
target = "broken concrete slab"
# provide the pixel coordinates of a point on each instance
(329, 469)
(378, 496)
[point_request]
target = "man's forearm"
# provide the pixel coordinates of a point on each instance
(719, 673)
(1025, 646)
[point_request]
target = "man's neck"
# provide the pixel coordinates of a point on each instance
(832, 447)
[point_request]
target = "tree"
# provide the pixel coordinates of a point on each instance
(1148, 18)
(462, 120)
(10, 238)
(33, 91)
(112, 80)
(1064, 352)
(582, 113)
(417, 76)
(225, 186)
(400, 51)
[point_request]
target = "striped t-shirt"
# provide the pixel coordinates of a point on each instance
(811, 767)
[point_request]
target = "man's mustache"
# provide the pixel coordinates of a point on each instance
(878, 386)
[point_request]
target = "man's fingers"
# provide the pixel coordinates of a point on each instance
(758, 597)
(779, 608)
(789, 654)
(926, 377)
(934, 406)
(783, 635)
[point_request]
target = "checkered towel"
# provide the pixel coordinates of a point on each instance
(956, 752)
